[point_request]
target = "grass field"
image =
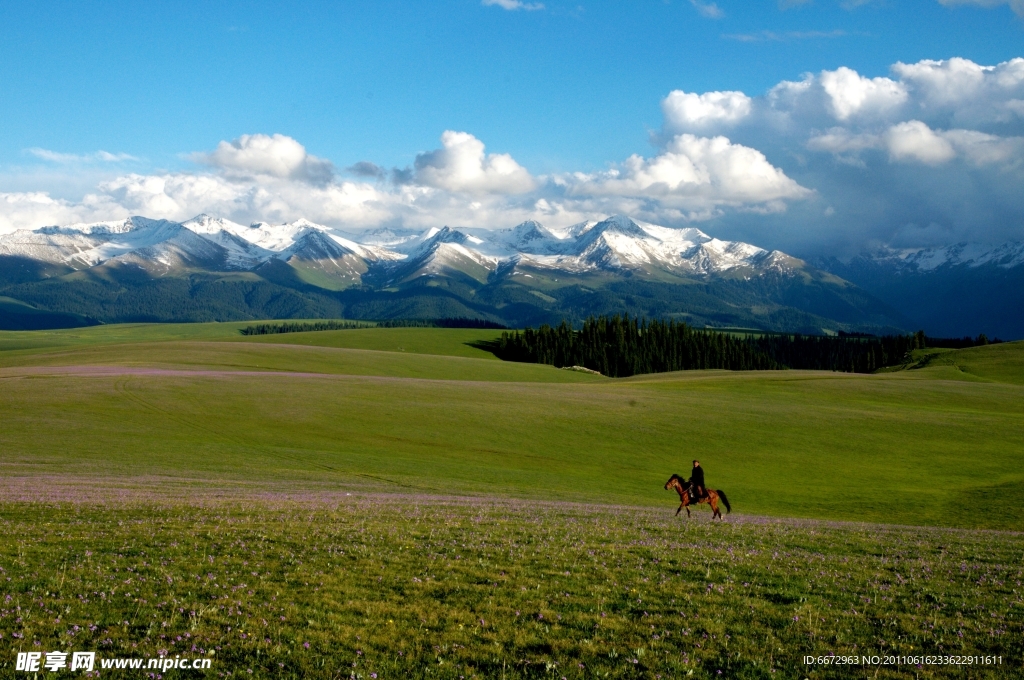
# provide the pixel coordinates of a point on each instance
(327, 585)
(940, 445)
(155, 447)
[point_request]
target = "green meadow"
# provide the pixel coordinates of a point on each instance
(165, 487)
(937, 445)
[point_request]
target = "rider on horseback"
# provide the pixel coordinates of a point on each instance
(697, 490)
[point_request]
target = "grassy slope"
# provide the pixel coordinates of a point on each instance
(443, 341)
(891, 447)
(439, 341)
(996, 363)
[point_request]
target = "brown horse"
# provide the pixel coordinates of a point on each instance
(676, 482)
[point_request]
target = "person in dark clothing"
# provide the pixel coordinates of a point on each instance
(697, 482)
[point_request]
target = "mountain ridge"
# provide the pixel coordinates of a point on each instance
(953, 291)
(525, 274)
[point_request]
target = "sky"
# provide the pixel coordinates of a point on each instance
(813, 126)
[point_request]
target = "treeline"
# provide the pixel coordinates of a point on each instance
(307, 326)
(962, 343)
(451, 322)
(622, 346)
(302, 327)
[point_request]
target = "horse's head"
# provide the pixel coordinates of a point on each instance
(675, 481)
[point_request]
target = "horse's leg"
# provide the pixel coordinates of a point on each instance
(680, 509)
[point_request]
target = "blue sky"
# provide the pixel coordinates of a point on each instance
(563, 89)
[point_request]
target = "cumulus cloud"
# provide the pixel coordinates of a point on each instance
(258, 177)
(936, 142)
(271, 155)
(29, 210)
(959, 91)
(462, 165)
(513, 4)
(367, 169)
(695, 172)
(841, 141)
(851, 94)
(942, 93)
(688, 111)
(913, 140)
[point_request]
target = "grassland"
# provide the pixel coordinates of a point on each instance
(939, 445)
(387, 490)
(328, 585)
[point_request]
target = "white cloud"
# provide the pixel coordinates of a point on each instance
(851, 94)
(688, 111)
(913, 140)
(68, 158)
(695, 171)
(708, 10)
(982, 149)
(272, 155)
(182, 195)
(966, 92)
(513, 4)
(932, 142)
(260, 178)
(1016, 5)
(943, 93)
(943, 82)
(841, 141)
(30, 210)
(461, 165)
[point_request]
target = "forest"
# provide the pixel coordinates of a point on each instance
(620, 346)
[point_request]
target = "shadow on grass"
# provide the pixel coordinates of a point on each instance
(492, 346)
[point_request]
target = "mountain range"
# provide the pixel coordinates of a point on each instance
(956, 290)
(208, 269)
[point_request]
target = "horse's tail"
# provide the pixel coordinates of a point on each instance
(721, 494)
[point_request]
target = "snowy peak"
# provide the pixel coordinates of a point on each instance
(972, 255)
(312, 244)
(615, 244)
(105, 228)
(619, 224)
(527, 236)
(615, 227)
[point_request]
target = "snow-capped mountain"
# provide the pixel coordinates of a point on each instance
(920, 260)
(210, 268)
(957, 290)
(616, 243)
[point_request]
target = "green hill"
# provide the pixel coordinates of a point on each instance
(19, 316)
(996, 363)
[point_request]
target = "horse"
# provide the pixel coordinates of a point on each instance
(676, 482)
